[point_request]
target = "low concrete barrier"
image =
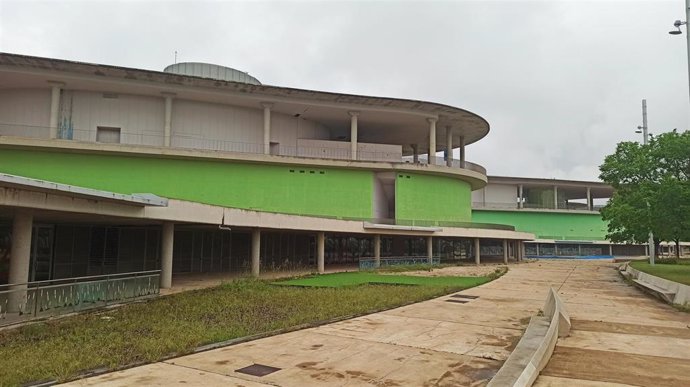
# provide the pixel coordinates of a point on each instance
(670, 291)
(536, 345)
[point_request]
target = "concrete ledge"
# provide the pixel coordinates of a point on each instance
(536, 345)
(667, 290)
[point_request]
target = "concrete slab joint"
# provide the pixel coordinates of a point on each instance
(536, 345)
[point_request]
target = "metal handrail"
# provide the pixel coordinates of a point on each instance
(92, 277)
(189, 141)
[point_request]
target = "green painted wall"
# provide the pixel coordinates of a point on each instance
(548, 225)
(430, 197)
(335, 192)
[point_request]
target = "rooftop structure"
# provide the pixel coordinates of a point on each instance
(202, 169)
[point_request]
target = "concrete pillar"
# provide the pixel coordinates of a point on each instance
(646, 250)
(520, 197)
(521, 253)
(377, 250)
(54, 108)
(167, 128)
(167, 238)
(477, 251)
(430, 249)
(267, 127)
(256, 251)
(611, 250)
(462, 151)
(320, 251)
(20, 258)
(432, 140)
(505, 251)
(537, 249)
(415, 153)
(589, 199)
(555, 197)
(353, 134)
(449, 146)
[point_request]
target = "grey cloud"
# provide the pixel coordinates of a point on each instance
(560, 82)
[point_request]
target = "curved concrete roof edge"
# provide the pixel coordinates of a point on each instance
(431, 108)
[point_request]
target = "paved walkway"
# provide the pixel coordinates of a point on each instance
(619, 337)
(443, 342)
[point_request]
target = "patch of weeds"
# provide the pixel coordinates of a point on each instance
(177, 324)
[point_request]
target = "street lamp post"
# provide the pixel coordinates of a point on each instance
(677, 31)
(645, 132)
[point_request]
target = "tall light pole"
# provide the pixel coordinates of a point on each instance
(677, 31)
(645, 132)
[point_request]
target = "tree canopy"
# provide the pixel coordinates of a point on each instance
(652, 189)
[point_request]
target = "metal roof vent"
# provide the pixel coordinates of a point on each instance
(207, 70)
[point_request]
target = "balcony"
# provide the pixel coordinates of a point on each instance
(306, 148)
(532, 206)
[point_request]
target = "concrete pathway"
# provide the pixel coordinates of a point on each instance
(443, 342)
(619, 337)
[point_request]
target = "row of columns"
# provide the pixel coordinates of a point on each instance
(590, 202)
(21, 253)
(56, 88)
(22, 229)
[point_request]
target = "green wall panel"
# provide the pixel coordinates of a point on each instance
(548, 225)
(430, 197)
(332, 192)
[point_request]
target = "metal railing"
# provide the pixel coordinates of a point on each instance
(25, 301)
(199, 142)
(534, 206)
(370, 263)
(424, 160)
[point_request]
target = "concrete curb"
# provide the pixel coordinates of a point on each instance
(681, 292)
(536, 345)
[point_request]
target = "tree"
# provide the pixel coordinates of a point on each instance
(652, 190)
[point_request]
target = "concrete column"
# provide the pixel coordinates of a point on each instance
(320, 251)
(589, 198)
(415, 153)
(256, 251)
(377, 250)
(477, 251)
(20, 258)
(505, 251)
(432, 140)
(521, 250)
(462, 151)
(267, 127)
(167, 129)
(353, 134)
(54, 108)
(430, 249)
(611, 250)
(449, 146)
(537, 244)
(520, 197)
(167, 239)
(646, 250)
(555, 197)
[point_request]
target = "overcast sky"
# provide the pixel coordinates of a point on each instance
(560, 82)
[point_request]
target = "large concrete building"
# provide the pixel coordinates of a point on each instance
(201, 168)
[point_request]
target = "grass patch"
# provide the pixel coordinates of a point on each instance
(678, 271)
(339, 280)
(177, 324)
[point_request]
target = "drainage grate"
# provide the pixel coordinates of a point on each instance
(457, 301)
(464, 296)
(258, 370)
